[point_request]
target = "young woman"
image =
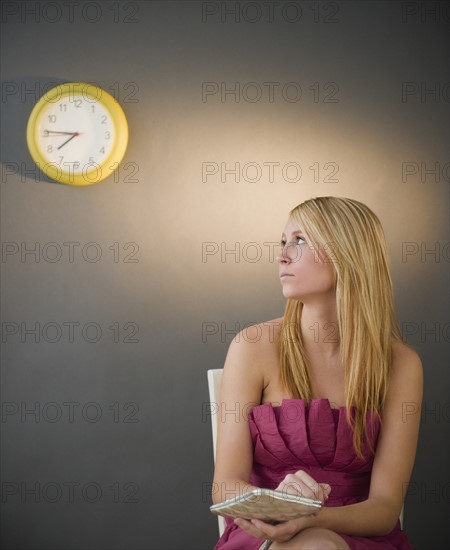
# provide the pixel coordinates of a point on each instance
(324, 401)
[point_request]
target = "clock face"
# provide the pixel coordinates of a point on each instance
(77, 135)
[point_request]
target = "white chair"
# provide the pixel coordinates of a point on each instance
(214, 379)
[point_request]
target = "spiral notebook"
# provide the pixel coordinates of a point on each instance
(267, 505)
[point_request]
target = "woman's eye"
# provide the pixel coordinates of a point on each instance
(283, 243)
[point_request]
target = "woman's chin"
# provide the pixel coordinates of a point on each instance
(292, 295)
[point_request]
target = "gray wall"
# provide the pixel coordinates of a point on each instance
(369, 118)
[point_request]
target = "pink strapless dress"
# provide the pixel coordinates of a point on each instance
(317, 439)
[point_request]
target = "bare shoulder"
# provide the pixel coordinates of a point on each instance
(258, 339)
(405, 361)
(406, 376)
(252, 356)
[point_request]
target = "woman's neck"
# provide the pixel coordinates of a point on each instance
(319, 330)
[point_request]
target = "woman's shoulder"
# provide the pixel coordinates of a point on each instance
(252, 356)
(404, 356)
(256, 345)
(406, 376)
(259, 335)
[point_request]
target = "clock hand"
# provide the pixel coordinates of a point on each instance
(75, 134)
(46, 132)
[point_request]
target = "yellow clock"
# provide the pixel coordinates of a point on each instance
(77, 133)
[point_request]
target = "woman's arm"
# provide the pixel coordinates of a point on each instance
(394, 456)
(392, 467)
(399, 432)
(241, 389)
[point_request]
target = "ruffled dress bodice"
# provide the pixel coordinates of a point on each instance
(314, 438)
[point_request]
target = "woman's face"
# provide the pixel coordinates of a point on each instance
(302, 276)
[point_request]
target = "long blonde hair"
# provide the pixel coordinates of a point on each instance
(349, 235)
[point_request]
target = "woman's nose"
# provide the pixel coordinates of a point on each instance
(282, 256)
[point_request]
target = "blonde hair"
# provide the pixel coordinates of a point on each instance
(349, 235)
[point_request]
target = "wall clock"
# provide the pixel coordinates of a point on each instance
(77, 133)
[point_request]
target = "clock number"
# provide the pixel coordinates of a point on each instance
(63, 107)
(93, 108)
(104, 119)
(60, 160)
(107, 135)
(78, 103)
(45, 133)
(102, 150)
(50, 149)
(52, 118)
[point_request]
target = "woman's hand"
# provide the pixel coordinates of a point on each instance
(281, 532)
(302, 484)
(298, 484)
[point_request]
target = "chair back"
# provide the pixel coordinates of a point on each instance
(214, 380)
